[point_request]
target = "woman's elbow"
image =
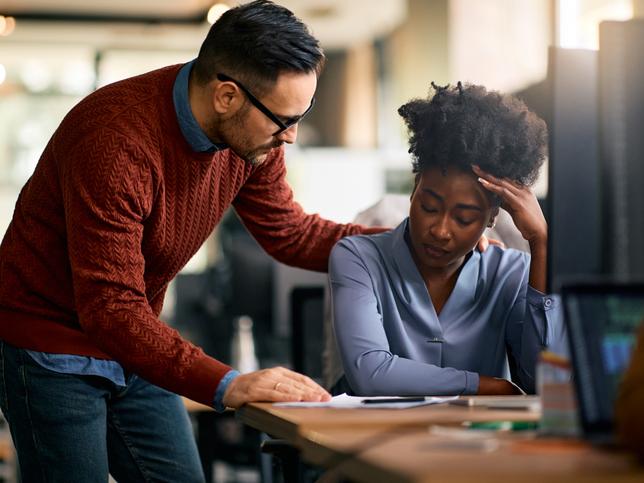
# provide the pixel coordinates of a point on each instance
(363, 386)
(366, 381)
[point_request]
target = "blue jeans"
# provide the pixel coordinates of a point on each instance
(69, 428)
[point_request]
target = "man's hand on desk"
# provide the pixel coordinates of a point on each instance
(275, 384)
(494, 386)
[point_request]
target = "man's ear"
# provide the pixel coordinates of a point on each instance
(226, 97)
(493, 215)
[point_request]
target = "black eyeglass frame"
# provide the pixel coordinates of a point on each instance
(283, 126)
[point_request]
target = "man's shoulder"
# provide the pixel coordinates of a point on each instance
(142, 97)
(140, 87)
(136, 111)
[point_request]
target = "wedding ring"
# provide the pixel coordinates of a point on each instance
(277, 386)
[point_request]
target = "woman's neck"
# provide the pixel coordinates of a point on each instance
(442, 275)
(440, 281)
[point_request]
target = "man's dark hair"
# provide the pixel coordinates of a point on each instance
(254, 43)
(463, 125)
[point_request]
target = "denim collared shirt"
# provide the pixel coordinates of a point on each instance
(190, 129)
(112, 370)
(392, 341)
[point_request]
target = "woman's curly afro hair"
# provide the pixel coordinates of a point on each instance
(466, 124)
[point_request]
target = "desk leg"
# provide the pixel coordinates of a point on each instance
(286, 457)
(206, 441)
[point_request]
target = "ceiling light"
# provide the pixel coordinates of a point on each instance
(9, 25)
(216, 11)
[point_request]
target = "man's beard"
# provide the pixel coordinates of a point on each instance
(232, 133)
(258, 155)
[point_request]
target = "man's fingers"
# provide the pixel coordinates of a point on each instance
(301, 381)
(483, 244)
(498, 243)
(295, 392)
(275, 384)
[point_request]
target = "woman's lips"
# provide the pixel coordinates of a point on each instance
(434, 251)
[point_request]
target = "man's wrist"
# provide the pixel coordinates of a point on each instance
(218, 401)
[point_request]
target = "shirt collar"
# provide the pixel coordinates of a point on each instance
(190, 129)
(467, 285)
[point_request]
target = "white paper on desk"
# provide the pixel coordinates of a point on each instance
(351, 402)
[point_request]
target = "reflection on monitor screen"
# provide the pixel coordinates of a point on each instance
(603, 327)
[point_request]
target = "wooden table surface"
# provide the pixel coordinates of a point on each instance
(431, 444)
(287, 422)
(450, 455)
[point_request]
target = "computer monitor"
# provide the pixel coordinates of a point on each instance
(603, 320)
(621, 94)
(574, 196)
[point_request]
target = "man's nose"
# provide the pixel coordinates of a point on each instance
(289, 135)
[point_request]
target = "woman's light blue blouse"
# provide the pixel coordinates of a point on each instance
(392, 342)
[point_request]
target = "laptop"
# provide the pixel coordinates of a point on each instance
(603, 320)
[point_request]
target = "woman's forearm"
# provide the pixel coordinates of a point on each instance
(379, 373)
(538, 261)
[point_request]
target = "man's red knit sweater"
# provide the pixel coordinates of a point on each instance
(115, 208)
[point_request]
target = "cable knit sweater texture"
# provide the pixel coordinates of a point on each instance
(115, 208)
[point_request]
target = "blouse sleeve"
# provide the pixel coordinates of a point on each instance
(535, 323)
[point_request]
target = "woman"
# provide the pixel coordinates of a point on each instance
(417, 310)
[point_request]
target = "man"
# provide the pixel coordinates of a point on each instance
(134, 180)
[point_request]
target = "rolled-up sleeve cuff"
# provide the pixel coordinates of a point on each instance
(541, 300)
(218, 402)
(471, 383)
(550, 328)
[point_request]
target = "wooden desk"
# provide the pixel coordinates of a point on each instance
(380, 445)
(418, 456)
(286, 423)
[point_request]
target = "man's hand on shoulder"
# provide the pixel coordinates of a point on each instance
(275, 384)
(485, 242)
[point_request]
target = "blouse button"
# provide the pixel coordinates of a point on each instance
(547, 303)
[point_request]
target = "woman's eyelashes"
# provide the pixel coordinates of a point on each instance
(460, 220)
(428, 209)
(463, 222)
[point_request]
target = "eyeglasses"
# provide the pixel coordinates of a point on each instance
(283, 124)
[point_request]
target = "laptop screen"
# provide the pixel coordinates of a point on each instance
(603, 322)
